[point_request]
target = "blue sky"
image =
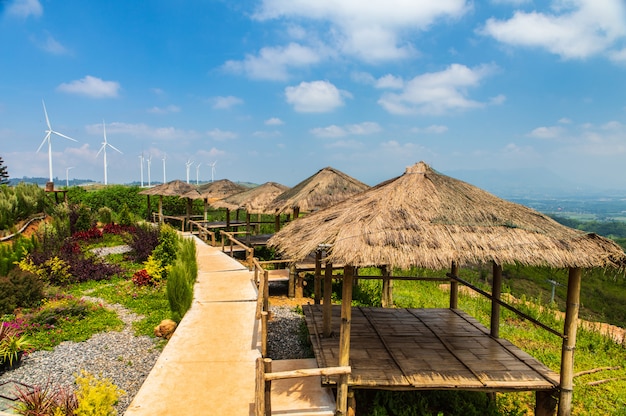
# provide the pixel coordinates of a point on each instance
(274, 90)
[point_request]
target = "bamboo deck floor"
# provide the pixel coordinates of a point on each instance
(425, 349)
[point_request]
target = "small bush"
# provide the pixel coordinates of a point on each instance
(96, 396)
(168, 245)
(80, 218)
(143, 241)
(154, 268)
(20, 289)
(142, 278)
(125, 216)
(179, 291)
(105, 215)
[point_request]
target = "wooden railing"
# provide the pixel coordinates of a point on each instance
(264, 374)
(204, 233)
(232, 239)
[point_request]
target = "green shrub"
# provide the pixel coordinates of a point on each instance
(125, 217)
(20, 289)
(165, 251)
(187, 255)
(179, 290)
(105, 215)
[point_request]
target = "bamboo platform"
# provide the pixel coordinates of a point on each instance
(426, 349)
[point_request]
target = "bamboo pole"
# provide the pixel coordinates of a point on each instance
(317, 282)
(327, 306)
(277, 223)
(308, 372)
(344, 339)
(387, 297)
(496, 292)
(454, 287)
(291, 290)
(259, 402)
(267, 368)
(569, 342)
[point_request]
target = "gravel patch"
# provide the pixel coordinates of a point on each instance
(105, 251)
(120, 356)
(127, 359)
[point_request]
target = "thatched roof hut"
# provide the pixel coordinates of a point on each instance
(173, 188)
(323, 189)
(427, 219)
(213, 191)
(254, 200)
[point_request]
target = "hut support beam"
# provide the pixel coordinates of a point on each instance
(496, 292)
(454, 287)
(277, 223)
(545, 403)
(344, 340)
(149, 218)
(317, 282)
(387, 297)
(569, 342)
(328, 293)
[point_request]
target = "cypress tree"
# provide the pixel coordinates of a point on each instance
(4, 175)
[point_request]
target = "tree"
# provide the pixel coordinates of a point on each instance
(4, 175)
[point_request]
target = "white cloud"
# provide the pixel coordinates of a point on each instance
(328, 131)
(360, 129)
(273, 63)
(274, 121)
(91, 87)
(497, 100)
(51, 45)
(224, 103)
(315, 97)
(164, 110)
(389, 81)
(437, 92)
(565, 120)
(267, 134)
(432, 129)
(25, 8)
(221, 135)
(370, 30)
(141, 130)
(576, 29)
(546, 132)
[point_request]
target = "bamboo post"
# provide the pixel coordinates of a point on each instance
(317, 282)
(327, 307)
(259, 403)
(227, 218)
(292, 281)
(149, 209)
(496, 291)
(299, 285)
(569, 342)
(187, 213)
(454, 287)
(160, 209)
(344, 340)
(267, 368)
(387, 297)
(277, 223)
(264, 319)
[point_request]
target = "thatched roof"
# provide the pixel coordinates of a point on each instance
(323, 189)
(427, 219)
(213, 191)
(254, 200)
(173, 188)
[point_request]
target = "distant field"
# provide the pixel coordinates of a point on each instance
(581, 209)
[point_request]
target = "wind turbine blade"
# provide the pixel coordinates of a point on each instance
(46, 113)
(45, 139)
(101, 149)
(114, 148)
(63, 135)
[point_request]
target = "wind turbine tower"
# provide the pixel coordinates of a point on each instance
(213, 171)
(67, 176)
(188, 165)
(164, 177)
(103, 149)
(48, 137)
(149, 163)
(197, 173)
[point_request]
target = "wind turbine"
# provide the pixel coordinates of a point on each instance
(213, 171)
(188, 165)
(164, 157)
(141, 167)
(197, 172)
(103, 149)
(149, 163)
(67, 173)
(47, 138)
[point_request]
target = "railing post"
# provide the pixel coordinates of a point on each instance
(569, 342)
(454, 287)
(259, 402)
(267, 364)
(496, 291)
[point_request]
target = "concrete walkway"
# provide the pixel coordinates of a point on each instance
(208, 366)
